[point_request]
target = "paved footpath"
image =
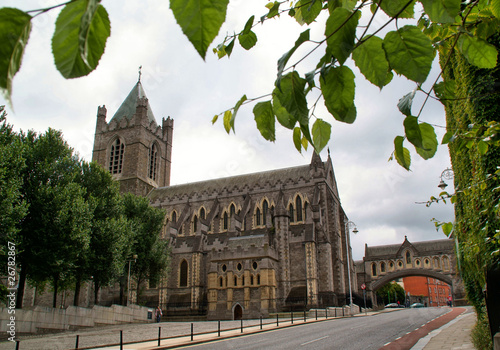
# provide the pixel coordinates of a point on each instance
(452, 336)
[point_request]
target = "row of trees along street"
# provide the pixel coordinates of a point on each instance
(68, 220)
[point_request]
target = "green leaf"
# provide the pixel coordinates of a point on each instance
(409, 52)
(482, 147)
(495, 8)
(247, 41)
(404, 104)
(200, 20)
(82, 29)
(412, 131)
(370, 58)
(264, 117)
(442, 11)
(478, 52)
(338, 88)
(447, 138)
(292, 97)
(447, 228)
(15, 28)
(235, 111)
(306, 11)
(401, 153)
(248, 26)
(429, 141)
(397, 8)
(321, 131)
(297, 138)
(227, 121)
(284, 118)
(303, 37)
(340, 33)
(445, 90)
(274, 8)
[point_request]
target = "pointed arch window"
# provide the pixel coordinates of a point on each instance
(374, 269)
(174, 217)
(382, 267)
(306, 204)
(232, 210)
(195, 224)
(225, 220)
(265, 209)
(257, 217)
(153, 160)
(116, 157)
(298, 205)
(183, 274)
(202, 213)
(408, 257)
(292, 213)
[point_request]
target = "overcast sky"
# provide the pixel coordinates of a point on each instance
(377, 195)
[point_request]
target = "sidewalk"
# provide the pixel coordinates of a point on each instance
(453, 335)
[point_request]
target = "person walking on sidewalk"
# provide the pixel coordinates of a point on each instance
(158, 314)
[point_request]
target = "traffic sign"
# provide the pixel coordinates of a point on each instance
(363, 286)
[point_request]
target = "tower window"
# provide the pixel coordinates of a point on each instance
(195, 224)
(257, 217)
(116, 157)
(153, 159)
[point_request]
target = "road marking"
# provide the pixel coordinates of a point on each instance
(312, 341)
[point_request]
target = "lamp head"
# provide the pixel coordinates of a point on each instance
(442, 185)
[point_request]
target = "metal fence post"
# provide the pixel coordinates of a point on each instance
(17, 344)
(191, 332)
(121, 340)
(277, 320)
(77, 340)
(305, 315)
(260, 321)
(291, 315)
(326, 312)
(218, 328)
(242, 325)
(159, 335)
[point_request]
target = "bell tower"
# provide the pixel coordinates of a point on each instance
(132, 146)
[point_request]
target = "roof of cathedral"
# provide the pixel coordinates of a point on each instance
(261, 178)
(127, 108)
(424, 248)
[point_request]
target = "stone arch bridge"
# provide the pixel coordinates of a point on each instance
(436, 259)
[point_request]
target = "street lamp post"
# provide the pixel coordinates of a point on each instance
(347, 228)
(134, 259)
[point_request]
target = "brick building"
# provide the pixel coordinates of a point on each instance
(427, 290)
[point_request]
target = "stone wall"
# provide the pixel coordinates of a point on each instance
(45, 319)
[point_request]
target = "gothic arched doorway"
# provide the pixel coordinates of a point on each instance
(237, 312)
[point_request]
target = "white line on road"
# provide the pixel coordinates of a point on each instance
(312, 341)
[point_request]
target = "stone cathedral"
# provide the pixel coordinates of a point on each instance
(241, 246)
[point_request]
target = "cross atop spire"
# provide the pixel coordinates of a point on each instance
(140, 73)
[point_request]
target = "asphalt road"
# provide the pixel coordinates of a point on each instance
(359, 333)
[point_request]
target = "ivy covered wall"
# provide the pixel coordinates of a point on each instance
(473, 117)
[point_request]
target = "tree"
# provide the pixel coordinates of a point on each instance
(55, 231)
(12, 205)
(110, 234)
(391, 293)
(150, 248)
